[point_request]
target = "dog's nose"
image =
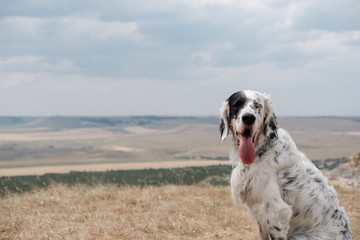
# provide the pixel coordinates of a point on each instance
(248, 118)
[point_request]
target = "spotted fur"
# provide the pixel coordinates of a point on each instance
(283, 190)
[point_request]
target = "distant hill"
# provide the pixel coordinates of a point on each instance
(62, 122)
(163, 122)
(60, 140)
(333, 124)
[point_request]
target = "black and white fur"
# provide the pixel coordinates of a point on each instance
(284, 192)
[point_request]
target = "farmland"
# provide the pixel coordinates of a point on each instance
(30, 142)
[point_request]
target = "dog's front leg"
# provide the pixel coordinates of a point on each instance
(271, 212)
(273, 219)
(278, 213)
(278, 222)
(263, 199)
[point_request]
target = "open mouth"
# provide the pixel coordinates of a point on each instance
(247, 133)
(246, 146)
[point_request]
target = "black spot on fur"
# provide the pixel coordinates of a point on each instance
(310, 171)
(272, 135)
(277, 228)
(296, 214)
(317, 180)
(335, 214)
(236, 103)
(312, 194)
(270, 127)
(290, 180)
(272, 123)
(222, 127)
(276, 160)
(272, 237)
(265, 127)
(286, 174)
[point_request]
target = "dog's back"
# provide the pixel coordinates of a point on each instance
(314, 203)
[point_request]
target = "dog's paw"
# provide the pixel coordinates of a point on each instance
(278, 223)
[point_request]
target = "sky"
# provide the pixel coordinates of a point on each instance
(178, 57)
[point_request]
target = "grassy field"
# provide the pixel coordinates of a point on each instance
(199, 211)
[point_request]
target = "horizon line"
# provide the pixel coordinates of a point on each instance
(169, 116)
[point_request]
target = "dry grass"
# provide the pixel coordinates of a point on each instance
(349, 199)
(168, 212)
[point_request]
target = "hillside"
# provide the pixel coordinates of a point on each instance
(66, 141)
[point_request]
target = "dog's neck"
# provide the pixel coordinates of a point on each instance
(263, 142)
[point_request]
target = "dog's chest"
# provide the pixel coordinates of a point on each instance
(242, 183)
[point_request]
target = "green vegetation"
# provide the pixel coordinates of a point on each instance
(330, 163)
(217, 175)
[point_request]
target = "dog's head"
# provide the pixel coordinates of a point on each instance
(248, 116)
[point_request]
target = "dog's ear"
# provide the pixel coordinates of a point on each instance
(224, 125)
(270, 124)
(271, 127)
(268, 108)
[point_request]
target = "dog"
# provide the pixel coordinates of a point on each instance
(284, 192)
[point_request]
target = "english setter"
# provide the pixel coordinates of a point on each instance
(285, 193)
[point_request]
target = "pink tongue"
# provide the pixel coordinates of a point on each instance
(246, 150)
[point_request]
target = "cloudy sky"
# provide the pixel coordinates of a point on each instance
(178, 57)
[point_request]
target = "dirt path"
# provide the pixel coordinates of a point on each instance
(104, 167)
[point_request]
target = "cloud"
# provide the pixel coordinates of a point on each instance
(36, 64)
(335, 16)
(25, 25)
(327, 42)
(48, 94)
(113, 56)
(21, 60)
(72, 28)
(97, 30)
(15, 79)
